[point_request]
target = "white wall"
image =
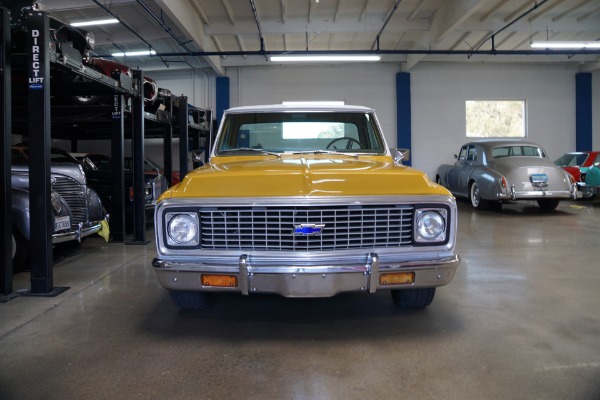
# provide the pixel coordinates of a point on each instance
(372, 85)
(438, 92)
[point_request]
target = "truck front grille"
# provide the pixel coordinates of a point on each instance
(74, 194)
(310, 228)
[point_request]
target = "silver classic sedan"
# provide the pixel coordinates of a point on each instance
(490, 172)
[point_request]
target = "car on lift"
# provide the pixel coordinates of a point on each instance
(76, 208)
(149, 87)
(491, 172)
(304, 201)
(577, 164)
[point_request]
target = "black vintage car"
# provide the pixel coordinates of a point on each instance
(97, 169)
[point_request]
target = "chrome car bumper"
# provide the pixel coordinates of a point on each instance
(77, 234)
(306, 281)
(541, 194)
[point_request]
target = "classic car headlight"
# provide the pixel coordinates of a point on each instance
(55, 201)
(430, 225)
(182, 229)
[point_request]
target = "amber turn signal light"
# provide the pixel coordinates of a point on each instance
(397, 278)
(219, 280)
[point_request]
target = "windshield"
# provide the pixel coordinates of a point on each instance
(518, 151)
(571, 160)
(292, 132)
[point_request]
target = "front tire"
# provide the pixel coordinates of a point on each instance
(475, 196)
(548, 204)
(188, 300)
(413, 298)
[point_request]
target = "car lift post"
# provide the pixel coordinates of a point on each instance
(167, 141)
(6, 269)
(183, 136)
(137, 144)
(117, 212)
(38, 89)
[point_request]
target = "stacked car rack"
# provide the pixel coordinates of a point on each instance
(30, 108)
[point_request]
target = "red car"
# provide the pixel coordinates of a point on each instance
(577, 163)
(104, 66)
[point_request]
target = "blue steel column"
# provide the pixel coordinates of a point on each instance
(403, 119)
(222, 96)
(583, 111)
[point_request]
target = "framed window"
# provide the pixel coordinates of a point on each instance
(496, 118)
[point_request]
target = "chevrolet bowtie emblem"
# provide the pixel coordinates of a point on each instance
(307, 229)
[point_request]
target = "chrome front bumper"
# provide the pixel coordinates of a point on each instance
(77, 234)
(306, 281)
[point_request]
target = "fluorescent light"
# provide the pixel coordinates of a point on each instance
(96, 22)
(323, 58)
(565, 45)
(135, 53)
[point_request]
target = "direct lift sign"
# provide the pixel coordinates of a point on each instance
(38, 50)
(36, 81)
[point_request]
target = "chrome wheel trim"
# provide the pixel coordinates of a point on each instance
(475, 197)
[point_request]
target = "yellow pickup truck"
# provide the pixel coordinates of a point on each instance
(304, 201)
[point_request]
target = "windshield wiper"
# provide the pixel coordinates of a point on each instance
(261, 151)
(339, 153)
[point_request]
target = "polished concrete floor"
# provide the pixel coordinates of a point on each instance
(521, 320)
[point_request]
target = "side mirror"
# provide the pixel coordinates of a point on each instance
(198, 156)
(401, 155)
(456, 156)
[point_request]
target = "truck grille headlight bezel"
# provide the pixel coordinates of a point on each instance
(182, 229)
(431, 225)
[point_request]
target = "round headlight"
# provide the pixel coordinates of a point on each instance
(183, 229)
(430, 225)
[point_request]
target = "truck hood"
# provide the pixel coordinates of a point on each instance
(315, 175)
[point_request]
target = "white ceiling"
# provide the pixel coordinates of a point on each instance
(409, 31)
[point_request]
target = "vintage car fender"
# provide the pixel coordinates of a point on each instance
(592, 177)
(97, 211)
(489, 182)
(21, 213)
(441, 175)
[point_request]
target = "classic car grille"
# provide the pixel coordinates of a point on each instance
(74, 194)
(344, 227)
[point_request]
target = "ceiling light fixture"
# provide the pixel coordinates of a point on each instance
(135, 53)
(96, 22)
(323, 58)
(565, 45)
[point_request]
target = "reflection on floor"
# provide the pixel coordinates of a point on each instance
(520, 320)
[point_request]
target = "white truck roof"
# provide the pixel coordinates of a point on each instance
(309, 106)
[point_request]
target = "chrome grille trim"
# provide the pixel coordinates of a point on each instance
(74, 194)
(271, 228)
